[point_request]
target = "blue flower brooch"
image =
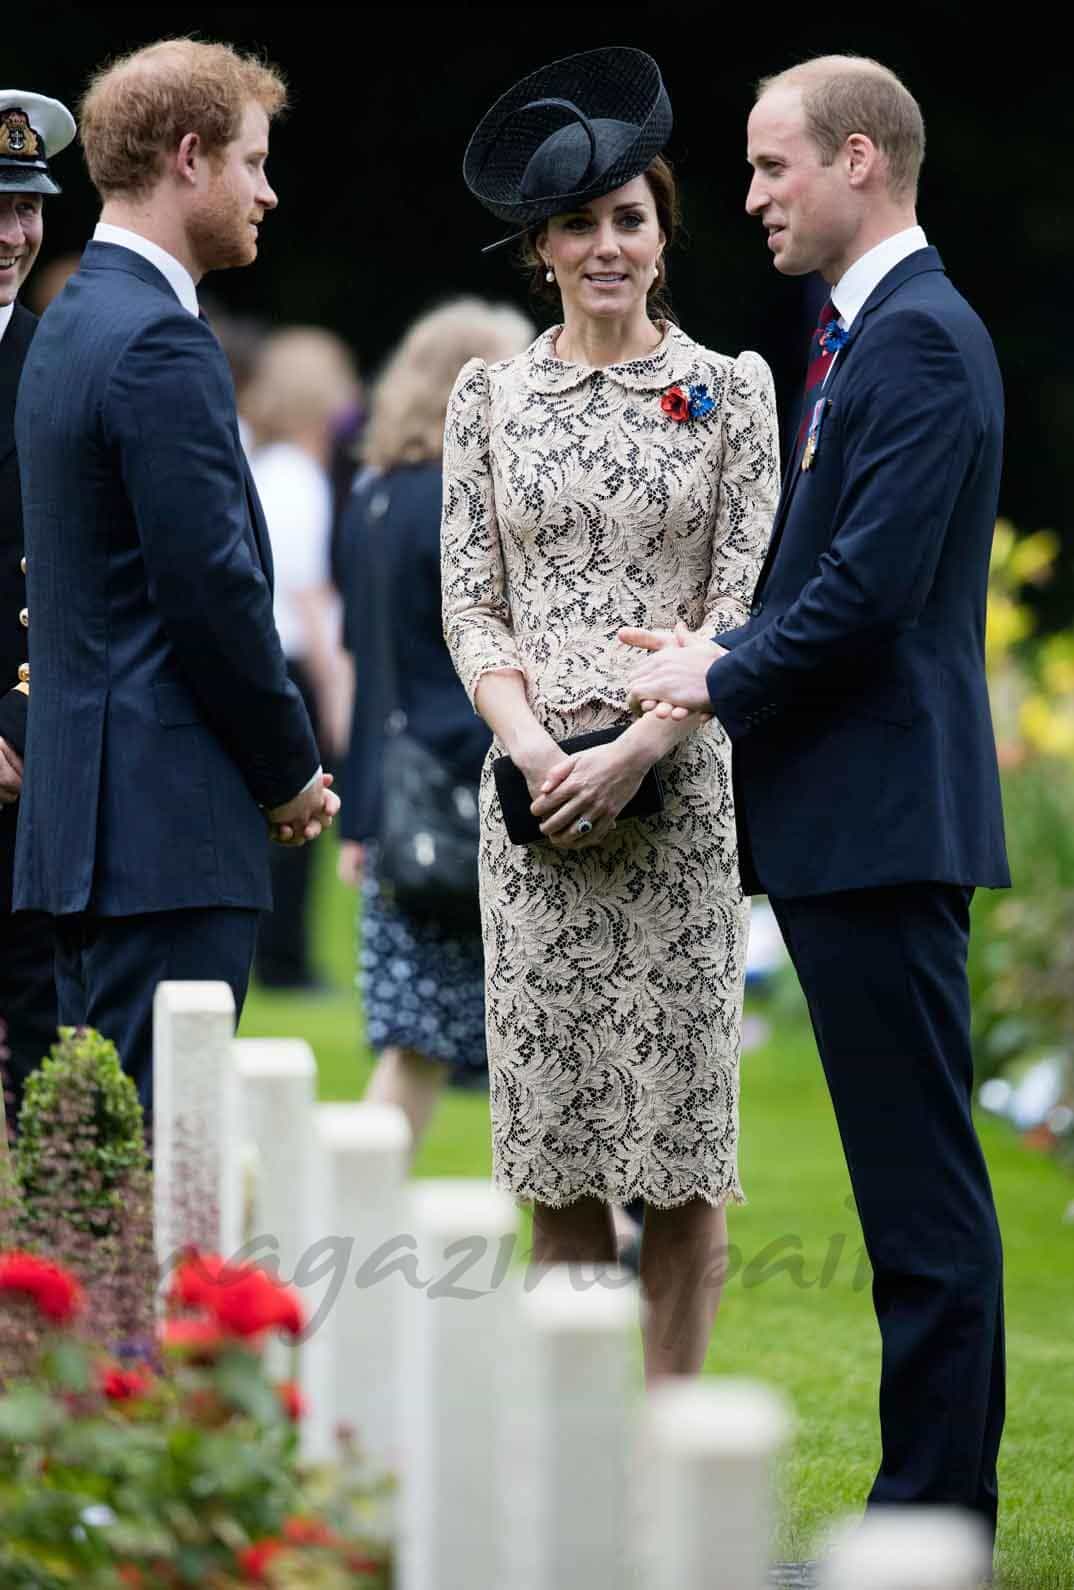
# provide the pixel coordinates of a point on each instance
(693, 404)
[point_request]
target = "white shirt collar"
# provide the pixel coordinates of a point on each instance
(5, 317)
(855, 285)
(177, 276)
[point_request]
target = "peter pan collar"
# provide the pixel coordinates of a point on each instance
(672, 361)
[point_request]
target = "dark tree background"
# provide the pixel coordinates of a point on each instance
(374, 223)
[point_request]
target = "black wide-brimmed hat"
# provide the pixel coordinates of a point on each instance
(567, 134)
(32, 129)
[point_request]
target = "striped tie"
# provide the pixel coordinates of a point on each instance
(819, 360)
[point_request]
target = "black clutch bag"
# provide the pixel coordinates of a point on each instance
(515, 799)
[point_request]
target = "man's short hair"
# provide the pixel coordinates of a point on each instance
(844, 94)
(139, 108)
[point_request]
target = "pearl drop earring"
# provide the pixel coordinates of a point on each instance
(549, 275)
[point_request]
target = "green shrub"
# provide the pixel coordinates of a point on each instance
(80, 1107)
(85, 1192)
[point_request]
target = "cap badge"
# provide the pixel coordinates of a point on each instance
(17, 137)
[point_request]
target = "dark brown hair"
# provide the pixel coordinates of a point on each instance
(665, 192)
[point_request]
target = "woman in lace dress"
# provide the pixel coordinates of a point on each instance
(576, 502)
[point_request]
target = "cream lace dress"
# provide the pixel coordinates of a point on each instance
(573, 505)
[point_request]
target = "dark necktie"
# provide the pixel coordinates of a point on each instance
(820, 358)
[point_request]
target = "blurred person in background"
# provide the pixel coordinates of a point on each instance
(343, 469)
(421, 982)
(303, 379)
(242, 338)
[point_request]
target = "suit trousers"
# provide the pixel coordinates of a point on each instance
(27, 999)
(884, 975)
(108, 968)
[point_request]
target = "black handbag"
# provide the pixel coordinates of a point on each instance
(427, 844)
(515, 799)
(426, 850)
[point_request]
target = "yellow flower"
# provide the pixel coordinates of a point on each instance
(1032, 558)
(1008, 623)
(1047, 730)
(1002, 544)
(1057, 665)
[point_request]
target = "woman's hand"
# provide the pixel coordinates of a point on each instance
(536, 759)
(594, 784)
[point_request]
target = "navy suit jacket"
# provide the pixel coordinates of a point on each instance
(855, 696)
(161, 715)
(391, 541)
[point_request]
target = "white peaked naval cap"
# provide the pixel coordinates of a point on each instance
(33, 128)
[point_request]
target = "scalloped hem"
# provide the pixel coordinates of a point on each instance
(525, 1198)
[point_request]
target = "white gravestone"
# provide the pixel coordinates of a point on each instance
(569, 1407)
(453, 1261)
(362, 1157)
(710, 1447)
(908, 1548)
(277, 1088)
(196, 1177)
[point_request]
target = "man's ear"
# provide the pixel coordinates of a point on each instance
(187, 156)
(862, 156)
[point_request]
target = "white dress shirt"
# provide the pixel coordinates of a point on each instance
(855, 285)
(5, 317)
(865, 275)
(177, 276)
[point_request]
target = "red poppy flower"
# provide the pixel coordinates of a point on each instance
(197, 1279)
(243, 1300)
(675, 403)
(198, 1340)
(124, 1385)
(255, 1559)
(292, 1401)
(256, 1303)
(57, 1294)
(131, 1575)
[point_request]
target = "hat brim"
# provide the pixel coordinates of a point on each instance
(617, 82)
(16, 180)
(503, 242)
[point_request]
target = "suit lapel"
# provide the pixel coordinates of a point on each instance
(924, 259)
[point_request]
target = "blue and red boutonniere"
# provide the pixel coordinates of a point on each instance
(692, 404)
(834, 337)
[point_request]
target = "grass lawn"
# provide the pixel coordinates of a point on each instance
(798, 1312)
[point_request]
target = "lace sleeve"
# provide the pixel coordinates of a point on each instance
(477, 613)
(748, 492)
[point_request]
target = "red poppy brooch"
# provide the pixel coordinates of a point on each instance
(692, 404)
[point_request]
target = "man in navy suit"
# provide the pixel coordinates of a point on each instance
(165, 741)
(864, 761)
